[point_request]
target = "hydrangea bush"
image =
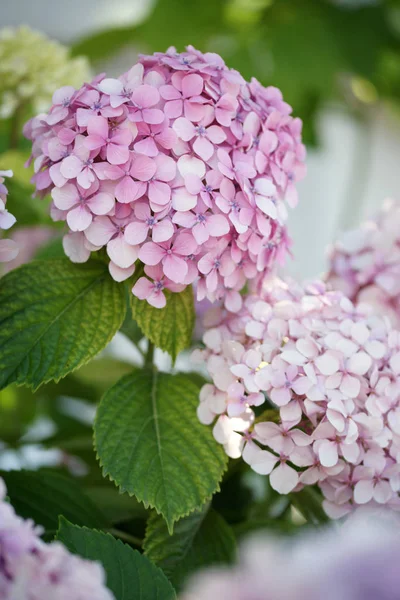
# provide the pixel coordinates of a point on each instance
(170, 188)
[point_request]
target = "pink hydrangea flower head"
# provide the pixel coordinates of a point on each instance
(329, 370)
(365, 262)
(31, 569)
(180, 163)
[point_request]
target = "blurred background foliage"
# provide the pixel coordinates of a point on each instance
(316, 51)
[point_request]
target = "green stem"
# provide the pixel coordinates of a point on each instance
(148, 359)
(127, 537)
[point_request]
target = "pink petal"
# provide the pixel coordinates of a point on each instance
(166, 138)
(173, 109)
(101, 203)
(193, 184)
(264, 186)
(100, 231)
(267, 206)
(268, 142)
(98, 126)
(147, 147)
(153, 116)
(383, 492)
(283, 479)
(157, 299)
(143, 168)
(79, 218)
(184, 244)
(163, 231)
(200, 233)
(203, 148)
(328, 454)
(71, 167)
(261, 461)
(280, 396)
(65, 197)
(145, 96)
(182, 200)
(74, 247)
(192, 85)
(216, 134)
(151, 253)
(143, 288)
(363, 491)
(119, 274)
(175, 268)
(110, 86)
(327, 363)
(159, 193)
(350, 386)
(169, 92)
(136, 232)
(166, 168)
(190, 165)
(117, 155)
(184, 129)
(126, 190)
(359, 363)
(142, 211)
(121, 253)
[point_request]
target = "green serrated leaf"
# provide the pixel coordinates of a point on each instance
(150, 442)
(130, 575)
(54, 317)
(169, 328)
(45, 495)
(199, 540)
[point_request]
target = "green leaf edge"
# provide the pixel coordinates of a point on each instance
(63, 521)
(85, 362)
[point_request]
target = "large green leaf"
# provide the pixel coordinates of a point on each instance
(199, 540)
(130, 575)
(150, 442)
(45, 495)
(169, 328)
(54, 317)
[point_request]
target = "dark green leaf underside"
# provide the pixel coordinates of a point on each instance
(199, 540)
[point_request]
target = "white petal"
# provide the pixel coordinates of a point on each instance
(327, 363)
(283, 479)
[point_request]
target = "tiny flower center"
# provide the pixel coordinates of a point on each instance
(201, 130)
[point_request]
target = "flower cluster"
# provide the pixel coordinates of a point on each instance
(8, 248)
(32, 67)
(179, 163)
(365, 262)
(31, 569)
(358, 561)
(332, 373)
